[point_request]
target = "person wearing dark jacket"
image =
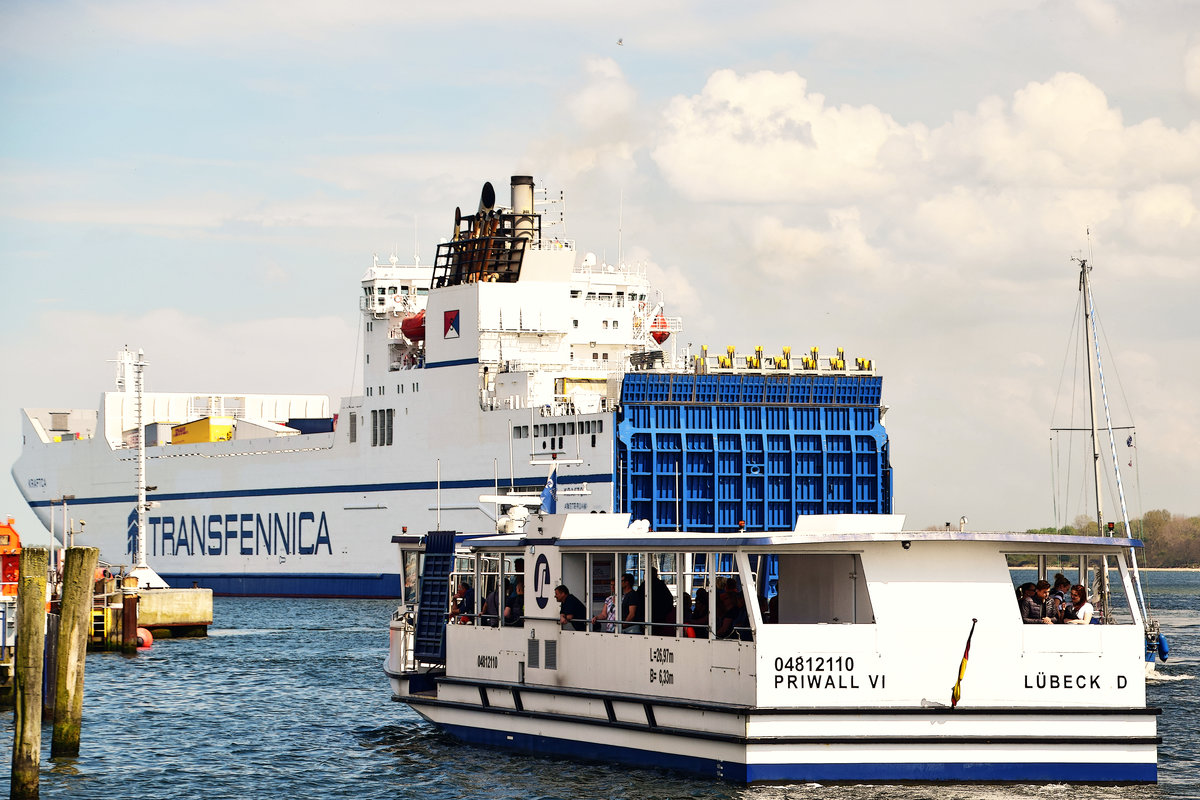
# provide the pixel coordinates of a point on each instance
(570, 611)
(1033, 604)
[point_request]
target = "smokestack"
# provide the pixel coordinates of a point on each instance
(522, 205)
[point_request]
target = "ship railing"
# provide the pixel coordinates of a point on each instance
(406, 616)
(552, 243)
(611, 269)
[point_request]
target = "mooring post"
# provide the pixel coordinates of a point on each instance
(129, 618)
(27, 683)
(79, 571)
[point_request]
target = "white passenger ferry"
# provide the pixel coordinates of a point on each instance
(514, 351)
(846, 649)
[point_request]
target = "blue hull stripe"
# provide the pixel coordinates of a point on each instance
(984, 772)
(285, 491)
(459, 362)
(292, 585)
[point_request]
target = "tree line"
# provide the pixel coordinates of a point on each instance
(1171, 540)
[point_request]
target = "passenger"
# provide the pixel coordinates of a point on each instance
(570, 611)
(490, 615)
(514, 606)
(662, 608)
(1082, 610)
(606, 620)
(463, 605)
(1033, 604)
(732, 620)
(699, 618)
(631, 606)
(1059, 598)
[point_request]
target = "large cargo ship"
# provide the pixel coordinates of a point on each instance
(513, 357)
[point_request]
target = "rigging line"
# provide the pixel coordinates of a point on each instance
(1053, 486)
(1112, 446)
(1117, 373)
(1072, 338)
(1137, 474)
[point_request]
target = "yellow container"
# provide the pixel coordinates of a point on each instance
(209, 429)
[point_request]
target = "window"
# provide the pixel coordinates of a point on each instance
(605, 357)
(813, 588)
(595, 356)
(574, 323)
(390, 414)
(616, 324)
(353, 427)
(374, 428)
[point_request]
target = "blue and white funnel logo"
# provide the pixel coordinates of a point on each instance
(541, 580)
(131, 532)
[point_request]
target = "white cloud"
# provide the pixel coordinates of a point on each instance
(1102, 16)
(1191, 70)
(763, 137)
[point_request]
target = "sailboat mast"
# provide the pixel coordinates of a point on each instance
(1085, 287)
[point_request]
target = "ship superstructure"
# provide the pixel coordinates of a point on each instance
(513, 355)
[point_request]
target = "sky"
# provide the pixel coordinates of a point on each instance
(208, 181)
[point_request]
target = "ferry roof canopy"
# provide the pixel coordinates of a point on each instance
(616, 531)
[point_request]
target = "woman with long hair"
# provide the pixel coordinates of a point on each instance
(1083, 610)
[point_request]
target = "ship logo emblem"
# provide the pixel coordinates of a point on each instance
(450, 325)
(131, 534)
(541, 580)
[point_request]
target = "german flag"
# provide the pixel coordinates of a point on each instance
(956, 693)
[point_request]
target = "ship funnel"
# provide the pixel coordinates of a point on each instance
(522, 205)
(487, 199)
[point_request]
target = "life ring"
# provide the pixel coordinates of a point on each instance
(398, 299)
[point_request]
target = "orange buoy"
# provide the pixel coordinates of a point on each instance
(144, 639)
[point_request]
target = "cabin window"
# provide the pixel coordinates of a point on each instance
(595, 356)
(411, 567)
(391, 290)
(812, 589)
(353, 427)
(374, 428)
(574, 323)
(390, 414)
(616, 324)
(1063, 572)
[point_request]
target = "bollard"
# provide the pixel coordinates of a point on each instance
(27, 694)
(129, 620)
(75, 622)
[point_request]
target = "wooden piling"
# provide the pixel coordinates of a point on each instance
(79, 571)
(27, 694)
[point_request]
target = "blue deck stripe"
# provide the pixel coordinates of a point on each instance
(382, 585)
(286, 491)
(975, 772)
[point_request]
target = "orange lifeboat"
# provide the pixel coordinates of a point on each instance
(413, 326)
(659, 329)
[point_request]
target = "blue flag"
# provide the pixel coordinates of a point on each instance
(550, 493)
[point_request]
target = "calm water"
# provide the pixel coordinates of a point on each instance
(287, 699)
